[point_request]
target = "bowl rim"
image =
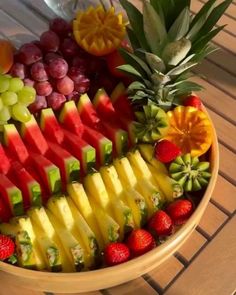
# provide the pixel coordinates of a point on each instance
(145, 259)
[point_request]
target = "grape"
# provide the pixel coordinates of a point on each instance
(82, 86)
(49, 41)
(69, 47)
(39, 104)
(50, 56)
(1, 104)
(26, 95)
(9, 98)
(65, 85)
(43, 88)
(76, 74)
(4, 83)
(16, 85)
(80, 63)
(29, 82)
(20, 113)
(56, 100)
(5, 114)
(95, 65)
(39, 72)
(29, 54)
(73, 96)
(18, 70)
(58, 68)
(60, 26)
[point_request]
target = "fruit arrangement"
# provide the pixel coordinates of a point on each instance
(104, 145)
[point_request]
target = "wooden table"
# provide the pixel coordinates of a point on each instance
(206, 264)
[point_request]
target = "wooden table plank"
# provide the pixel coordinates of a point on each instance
(193, 245)
(231, 11)
(214, 271)
(90, 293)
(212, 219)
(138, 286)
(227, 166)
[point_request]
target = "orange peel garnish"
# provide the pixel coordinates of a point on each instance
(190, 129)
(98, 31)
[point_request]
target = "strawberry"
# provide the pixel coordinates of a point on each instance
(7, 247)
(179, 211)
(166, 151)
(5, 213)
(140, 241)
(193, 101)
(116, 253)
(161, 224)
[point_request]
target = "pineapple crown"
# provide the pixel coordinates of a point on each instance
(167, 42)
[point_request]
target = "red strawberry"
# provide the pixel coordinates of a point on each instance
(161, 224)
(116, 253)
(180, 211)
(5, 213)
(193, 101)
(166, 151)
(140, 241)
(7, 247)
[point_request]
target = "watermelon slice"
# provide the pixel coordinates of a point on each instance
(32, 135)
(29, 187)
(70, 118)
(5, 212)
(15, 144)
(69, 165)
(11, 195)
(5, 163)
(102, 145)
(84, 152)
(49, 172)
(50, 126)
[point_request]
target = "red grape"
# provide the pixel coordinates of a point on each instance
(95, 65)
(55, 100)
(82, 86)
(29, 82)
(51, 56)
(39, 72)
(73, 96)
(58, 68)
(60, 26)
(29, 53)
(18, 70)
(80, 63)
(65, 85)
(75, 74)
(43, 88)
(50, 41)
(69, 47)
(39, 104)
(37, 43)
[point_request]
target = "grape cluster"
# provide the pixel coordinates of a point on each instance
(14, 99)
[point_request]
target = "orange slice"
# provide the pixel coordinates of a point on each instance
(190, 129)
(98, 31)
(6, 56)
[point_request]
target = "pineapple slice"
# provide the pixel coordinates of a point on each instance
(111, 179)
(108, 226)
(78, 195)
(39, 218)
(89, 238)
(125, 172)
(72, 247)
(24, 224)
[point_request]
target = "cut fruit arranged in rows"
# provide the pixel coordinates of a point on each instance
(72, 231)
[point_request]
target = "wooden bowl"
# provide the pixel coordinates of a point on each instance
(108, 277)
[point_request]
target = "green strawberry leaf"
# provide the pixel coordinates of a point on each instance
(181, 26)
(136, 22)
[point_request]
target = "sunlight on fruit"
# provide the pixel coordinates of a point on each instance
(99, 32)
(190, 130)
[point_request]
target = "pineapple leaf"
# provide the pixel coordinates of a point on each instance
(212, 19)
(187, 86)
(157, 6)
(154, 30)
(136, 22)
(181, 69)
(132, 38)
(181, 26)
(136, 62)
(200, 18)
(187, 59)
(155, 62)
(128, 69)
(136, 86)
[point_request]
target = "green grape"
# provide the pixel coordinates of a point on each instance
(4, 83)
(16, 85)
(1, 104)
(27, 95)
(5, 114)
(9, 98)
(20, 113)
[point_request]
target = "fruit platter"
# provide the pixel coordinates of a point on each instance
(108, 157)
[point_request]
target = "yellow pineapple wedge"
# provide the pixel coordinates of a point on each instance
(109, 228)
(78, 195)
(24, 225)
(71, 245)
(40, 218)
